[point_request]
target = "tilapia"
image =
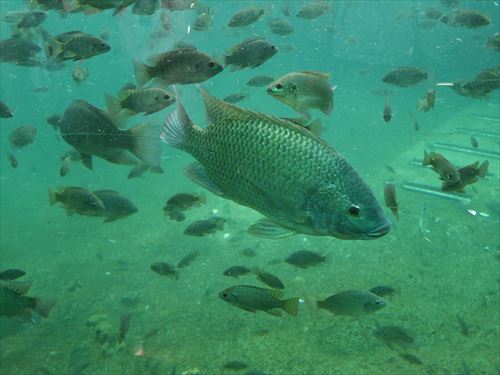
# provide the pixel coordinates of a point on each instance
(251, 158)
(165, 269)
(15, 303)
(22, 136)
(203, 22)
(353, 303)
(313, 9)
(269, 279)
(11, 274)
(250, 53)
(246, 17)
(442, 166)
(77, 200)
(405, 76)
(92, 131)
(395, 336)
(281, 26)
(5, 112)
(140, 100)
(387, 114)
(31, 19)
(181, 202)
(467, 176)
(75, 45)
(236, 271)
(180, 66)
(116, 206)
(494, 42)
(20, 50)
(14, 163)
(305, 259)
(468, 18)
(303, 91)
(201, 227)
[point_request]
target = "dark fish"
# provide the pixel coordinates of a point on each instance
(116, 205)
(145, 7)
(473, 142)
(92, 131)
(130, 301)
(383, 290)
(281, 26)
(139, 100)
(468, 18)
(165, 269)
(22, 136)
(352, 302)
(32, 19)
(235, 98)
(267, 278)
(201, 227)
(77, 200)
(387, 115)
(14, 163)
(260, 81)
(395, 336)
(18, 50)
(250, 53)
(124, 326)
(5, 112)
(390, 198)
(313, 9)
(305, 258)
(234, 163)
(181, 202)
(467, 176)
(76, 45)
(442, 166)
(390, 169)
(405, 77)
(411, 358)
(251, 298)
(249, 253)
(246, 17)
(203, 22)
(181, 66)
(494, 42)
(464, 327)
(236, 271)
(14, 302)
(11, 274)
(188, 259)
(235, 365)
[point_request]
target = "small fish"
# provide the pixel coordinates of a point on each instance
(11, 274)
(313, 9)
(180, 66)
(5, 112)
(405, 77)
(165, 269)
(179, 5)
(124, 327)
(203, 22)
(250, 53)
(395, 336)
(414, 121)
(467, 18)
(281, 26)
(411, 358)
(473, 142)
(181, 202)
(467, 176)
(235, 98)
(305, 259)
(77, 200)
(22, 136)
(267, 278)
(65, 165)
(145, 7)
(236, 271)
(464, 327)
(427, 102)
(353, 303)
(390, 199)
(116, 205)
(188, 259)
(75, 45)
(80, 73)
(235, 365)
(20, 51)
(15, 303)
(32, 19)
(139, 100)
(433, 13)
(383, 290)
(252, 299)
(442, 166)
(249, 253)
(390, 169)
(246, 17)
(202, 227)
(303, 91)
(260, 81)
(14, 163)
(494, 42)
(387, 114)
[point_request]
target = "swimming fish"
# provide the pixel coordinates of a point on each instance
(281, 26)
(250, 53)
(260, 81)
(75, 45)
(181, 202)
(139, 100)
(353, 303)
(15, 303)
(116, 206)
(395, 336)
(313, 9)
(405, 76)
(235, 161)
(22, 136)
(246, 17)
(305, 259)
(468, 18)
(442, 166)
(269, 279)
(80, 73)
(467, 176)
(390, 199)
(201, 227)
(77, 200)
(236, 271)
(165, 269)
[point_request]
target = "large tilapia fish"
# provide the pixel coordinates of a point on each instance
(300, 183)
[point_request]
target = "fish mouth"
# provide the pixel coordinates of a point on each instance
(379, 231)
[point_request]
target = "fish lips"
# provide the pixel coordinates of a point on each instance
(379, 231)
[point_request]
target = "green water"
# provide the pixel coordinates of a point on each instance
(442, 259)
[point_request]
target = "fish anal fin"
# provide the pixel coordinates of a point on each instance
(196, 173)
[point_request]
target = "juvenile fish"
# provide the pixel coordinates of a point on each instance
(188, 259)
(15, 303)
(203, 22)
(22, 136)
(246, 17)
(468, 18)
(76, 45)
(267, 278)
(313, 9)
(251, 298)
(235, 98)
(305, 259)
(405, 77)
(20, 51)
(236, 271)
(281, 26)
(182, 202)
(353, 303)
(165, 269)
(467, 176)
(77, 200)
(116, 205)
(473, 142)
(14, 163)
(202, 227)
(395, 336)
(5, 112)
(140, 100)
(250, 53)
(11, 274)
(390, 198)
(32, 19)
(80, 73)
(441, 166)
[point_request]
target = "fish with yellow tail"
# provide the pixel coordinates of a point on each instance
(253, 159)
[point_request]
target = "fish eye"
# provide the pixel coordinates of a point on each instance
(273, 48)
(354, 210)
(278, 86)
(225, 295)
(166, 97)
(211, 64)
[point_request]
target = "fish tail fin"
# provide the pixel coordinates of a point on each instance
(146, 144)
(427, 158)
(113, 104)
(483, 169)
(44, 306)
(177, 127)
(70, 5)
(291, 306)
(52, 196)
(203, 198)
(142, 74)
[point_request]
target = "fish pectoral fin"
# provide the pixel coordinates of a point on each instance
(86, 160)
(274, 312)
(196, 173)
(266, 228)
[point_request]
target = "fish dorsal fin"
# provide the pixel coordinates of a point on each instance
(105, 192)
(219, 112)
(321, 75)
(19, 287)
